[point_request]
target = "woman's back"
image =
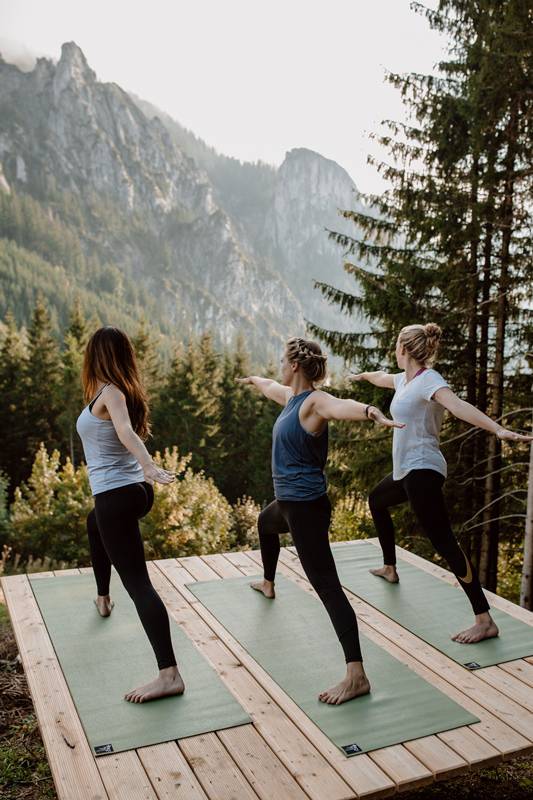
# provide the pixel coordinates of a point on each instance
(109, 463)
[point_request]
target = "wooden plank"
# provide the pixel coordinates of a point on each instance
(507, 684)
(197, 568)
(124, 777)
(437, 756)
(220, 565)
(506, 726)
(70, 571)
(521, 669)
(47, 574)
(169, 772)
(75, 774)
(318, 766)
(473, 748)
(215, 769)
(402, 766)
(261, 767)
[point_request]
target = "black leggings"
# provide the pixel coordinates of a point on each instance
(115, 538)
(423, 489)
(308, 522)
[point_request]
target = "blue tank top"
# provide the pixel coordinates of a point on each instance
(298, 457)
(109, 463)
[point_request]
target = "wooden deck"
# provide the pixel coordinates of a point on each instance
(282, 755)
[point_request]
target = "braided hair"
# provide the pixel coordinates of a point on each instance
(310, 357)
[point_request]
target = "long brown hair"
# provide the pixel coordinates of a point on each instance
(109, 357)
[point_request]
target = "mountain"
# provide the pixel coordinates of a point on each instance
(107, 198)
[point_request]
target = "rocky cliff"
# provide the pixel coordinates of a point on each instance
(221, 245)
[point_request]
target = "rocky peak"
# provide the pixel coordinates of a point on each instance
(73, 66)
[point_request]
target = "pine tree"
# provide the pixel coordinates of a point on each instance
(187, 411)
(42, 385)
(71, 392)
(148, 359)
(13, 357)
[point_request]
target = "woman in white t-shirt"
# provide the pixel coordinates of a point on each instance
(419, 468)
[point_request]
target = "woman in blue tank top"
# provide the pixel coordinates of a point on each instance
(121, 474)
(302, 507)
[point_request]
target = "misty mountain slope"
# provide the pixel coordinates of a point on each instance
(152, 211)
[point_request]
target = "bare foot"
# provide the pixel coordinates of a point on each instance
(265, 587)
(168, 682)
(388, 572)
(483, 628)
(355, 684)
(104, 604)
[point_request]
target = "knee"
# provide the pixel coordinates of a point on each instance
(373, 501)
(262, 522)
(326, 585)
(92, 526)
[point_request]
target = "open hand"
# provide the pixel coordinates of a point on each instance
(357, 376)
(379, 417)
(153, 473)
(244, 380)
(505, 433)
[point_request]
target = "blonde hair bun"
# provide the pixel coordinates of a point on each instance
(421, 341)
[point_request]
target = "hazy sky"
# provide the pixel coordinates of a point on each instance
(254, 79)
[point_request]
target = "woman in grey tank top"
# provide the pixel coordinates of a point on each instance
(121, 474)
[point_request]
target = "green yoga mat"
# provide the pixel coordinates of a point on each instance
(103, 658)
(292, 638)
(429, 607)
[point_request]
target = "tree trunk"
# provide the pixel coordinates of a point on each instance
(526, 586)
(470, 451)
(491, 530)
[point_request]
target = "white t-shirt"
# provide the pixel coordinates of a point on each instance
(417, 445)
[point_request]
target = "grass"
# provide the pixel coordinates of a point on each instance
(25, 774)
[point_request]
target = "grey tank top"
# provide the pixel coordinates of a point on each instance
(109, 463)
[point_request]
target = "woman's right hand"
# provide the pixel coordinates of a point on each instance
(153, 473)
(244, 380)
(358, 376)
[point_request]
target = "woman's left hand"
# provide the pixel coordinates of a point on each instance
(505, 433)
(378, 416)
(153, 473)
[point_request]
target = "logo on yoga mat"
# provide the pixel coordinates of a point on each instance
(350, 749)
(472, 665)
(103, 748)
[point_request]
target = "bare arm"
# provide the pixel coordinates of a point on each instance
(329, 407)
(269, 388)
(469, 413)
(115, 403)
(382, 379)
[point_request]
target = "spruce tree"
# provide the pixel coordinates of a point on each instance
(42, 386)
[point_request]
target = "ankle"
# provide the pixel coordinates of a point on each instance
(168, 672)
(484, 618)
(355, 670)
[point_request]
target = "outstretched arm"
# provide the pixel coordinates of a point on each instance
(382, 379)
(469, 413)
(271, 389)
(329, 407)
